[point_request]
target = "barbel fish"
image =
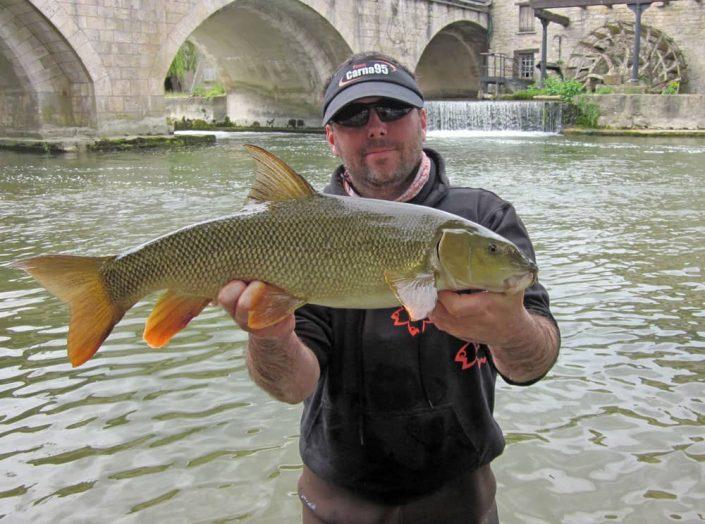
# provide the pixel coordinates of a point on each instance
(312, 248)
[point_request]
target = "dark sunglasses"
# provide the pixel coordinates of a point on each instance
(357, 114)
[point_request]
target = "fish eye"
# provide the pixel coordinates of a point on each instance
(492, 248)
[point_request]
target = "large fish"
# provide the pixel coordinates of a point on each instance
(313, 248)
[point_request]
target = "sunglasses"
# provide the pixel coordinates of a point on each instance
(357, 114)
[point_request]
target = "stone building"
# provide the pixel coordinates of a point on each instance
(678, 25)
(97, 67)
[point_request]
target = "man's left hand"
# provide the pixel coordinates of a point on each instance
(495, 319)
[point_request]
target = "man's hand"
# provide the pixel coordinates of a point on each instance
(277, 360)
(495, 319)
(236, 298)
(523, 346)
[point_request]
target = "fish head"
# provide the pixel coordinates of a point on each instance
(476, 258)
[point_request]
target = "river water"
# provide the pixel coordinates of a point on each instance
(616, 432)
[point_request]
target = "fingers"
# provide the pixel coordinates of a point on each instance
(458, 305)
(237, 298)
(245, 302)
(229, 295)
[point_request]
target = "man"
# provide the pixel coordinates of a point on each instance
(397, 423)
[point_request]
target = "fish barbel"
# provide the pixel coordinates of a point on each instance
(312, 248)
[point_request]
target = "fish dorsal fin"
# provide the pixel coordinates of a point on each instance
(275, 181)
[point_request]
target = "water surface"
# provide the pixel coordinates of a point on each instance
(614, 433)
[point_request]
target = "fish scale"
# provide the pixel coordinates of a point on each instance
(314, 248)
(282, 243)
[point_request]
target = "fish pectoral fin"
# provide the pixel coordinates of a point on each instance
(416, 293)
(270, 305)
(172, 313)
(274, 180)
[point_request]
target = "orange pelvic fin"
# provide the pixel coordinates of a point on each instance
(78, 282)
(270, 305)
(172, 313)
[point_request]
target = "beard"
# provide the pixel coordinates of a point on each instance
(395, 169)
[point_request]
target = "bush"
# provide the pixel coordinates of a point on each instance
(604, 90)
(553, 86)
(216, 90)
(566, 89)
(672, 88)
(588, 113)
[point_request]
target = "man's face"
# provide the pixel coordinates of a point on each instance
(379, 153)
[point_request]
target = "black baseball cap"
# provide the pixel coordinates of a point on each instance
(369, 77)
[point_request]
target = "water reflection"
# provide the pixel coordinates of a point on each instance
(616, 432)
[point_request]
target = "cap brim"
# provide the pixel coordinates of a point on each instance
(368, 89)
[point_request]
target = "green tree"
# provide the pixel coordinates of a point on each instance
(185, 60)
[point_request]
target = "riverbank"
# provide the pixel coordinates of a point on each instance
(584, 131)
(75, 144)
(206, 135)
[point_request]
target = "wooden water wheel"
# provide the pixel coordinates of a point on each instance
(605, 57)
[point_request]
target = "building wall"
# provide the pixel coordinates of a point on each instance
(210, 110)
(650, 111)
(682, 20)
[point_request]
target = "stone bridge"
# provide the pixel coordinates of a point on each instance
(97, 67)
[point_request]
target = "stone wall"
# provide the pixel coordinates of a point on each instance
(44, 88)
(683, 21)
(650, 111)
(210, 110)
(98, 66)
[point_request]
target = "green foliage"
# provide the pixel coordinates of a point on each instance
(216, 90)
(588, 113)
(184, 61)
(566, 89)
(672, 88)
(553, 86)
(519, 95)
(604, 90)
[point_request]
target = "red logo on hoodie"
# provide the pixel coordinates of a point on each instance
(401, 319)
(469, 356)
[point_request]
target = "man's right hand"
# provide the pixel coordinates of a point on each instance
(236, 298)
(277, 360)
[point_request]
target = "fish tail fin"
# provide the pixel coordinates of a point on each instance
(78, 282)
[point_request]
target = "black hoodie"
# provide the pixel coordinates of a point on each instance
(402, 407)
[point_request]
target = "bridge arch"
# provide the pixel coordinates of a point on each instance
(273, 58)
(46, 90)
(450, 66)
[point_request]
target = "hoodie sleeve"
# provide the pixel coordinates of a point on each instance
(314, 328)
(504, 221)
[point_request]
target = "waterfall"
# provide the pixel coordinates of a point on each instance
(531, 115)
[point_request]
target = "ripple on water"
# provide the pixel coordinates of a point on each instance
(615, 432)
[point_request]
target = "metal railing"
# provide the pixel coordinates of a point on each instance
(498, 66)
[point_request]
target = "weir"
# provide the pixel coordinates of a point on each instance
(531, 115)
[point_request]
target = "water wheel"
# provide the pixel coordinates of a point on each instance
(605, 57)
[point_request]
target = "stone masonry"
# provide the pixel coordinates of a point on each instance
(98, 66)
(682, 20)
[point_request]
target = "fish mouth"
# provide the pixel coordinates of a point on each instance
(516, 283)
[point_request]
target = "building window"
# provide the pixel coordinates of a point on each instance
(526, 19)
(209, 74)
(525, 65)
